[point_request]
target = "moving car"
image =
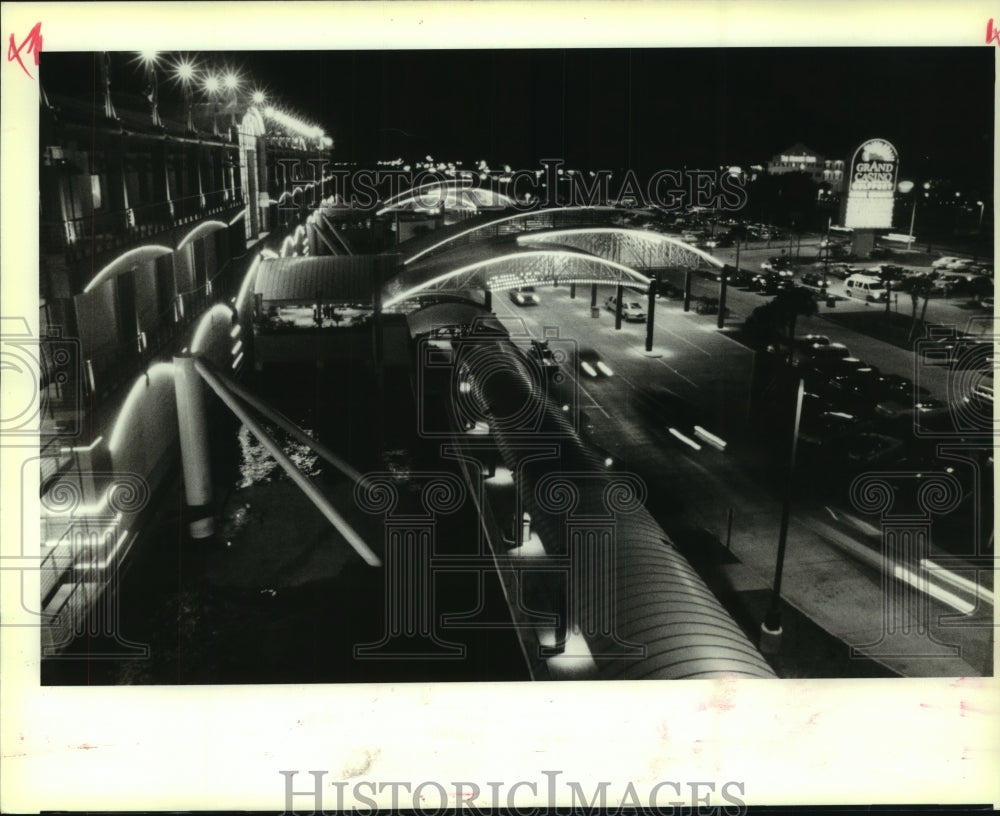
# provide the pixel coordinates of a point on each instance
(734, 276)
(525, 296)
(591, 364)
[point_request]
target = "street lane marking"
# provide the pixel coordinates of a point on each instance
(957, 581)
(692, 382)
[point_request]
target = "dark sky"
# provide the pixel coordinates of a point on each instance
(646, 109)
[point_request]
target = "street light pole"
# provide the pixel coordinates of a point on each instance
(771, 627)
(826, 256)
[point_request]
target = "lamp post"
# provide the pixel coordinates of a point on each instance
(231, 82)
(771, 627)
(212, 85)
(826, 257)
(185, 73)
(149, 60)
(905, 187)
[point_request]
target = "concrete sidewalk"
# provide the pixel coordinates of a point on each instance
(837, 606)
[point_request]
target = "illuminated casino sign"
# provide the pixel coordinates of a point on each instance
(871, 186)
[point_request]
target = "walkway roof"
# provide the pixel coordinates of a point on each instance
(329, 278)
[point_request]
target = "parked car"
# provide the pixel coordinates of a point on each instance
(770, 283)
(814, 279)
(820, 370)
(961, 352)
(807, 341)
(819, 350)
(895, 387)
(868, 448)
(944, 262)
(827, 426)
(843, 270)
(631, 309)
(779, 264)
(926, 407)
(867, 287)
(890, 272)
(734, 277)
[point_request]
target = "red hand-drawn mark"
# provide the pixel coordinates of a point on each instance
(33, 42)
(992, 34)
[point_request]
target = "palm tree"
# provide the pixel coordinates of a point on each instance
(788, 305)
(917, 287)
(774, 322)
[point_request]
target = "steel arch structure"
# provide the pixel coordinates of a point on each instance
(516, 223)
(448, 195)
(639, 249)
(512, 270)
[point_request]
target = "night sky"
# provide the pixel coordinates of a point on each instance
(644, 109)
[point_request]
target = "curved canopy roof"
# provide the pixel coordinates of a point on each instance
(507, 266)
(642, 249)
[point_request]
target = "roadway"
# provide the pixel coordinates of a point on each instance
(832, 569)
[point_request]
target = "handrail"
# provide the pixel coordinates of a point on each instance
(286, 424)
(306, 486)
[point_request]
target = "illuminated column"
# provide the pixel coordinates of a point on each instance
(410, 614)
(650, 312)
(192, 421)
(906, 609)
(591, 584)
(722, 299)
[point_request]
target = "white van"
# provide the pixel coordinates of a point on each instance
(865, 286)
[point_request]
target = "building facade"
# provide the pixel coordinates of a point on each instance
(149, 219)
(800, 159)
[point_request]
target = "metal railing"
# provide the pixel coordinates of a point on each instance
(110, 366)
(102, 231)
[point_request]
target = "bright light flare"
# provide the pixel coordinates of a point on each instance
(185, 71)
(605, 369)
(588, 368)
(212, 83)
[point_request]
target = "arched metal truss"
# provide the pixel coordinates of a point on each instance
(515, 223)
(515, 269)
(458, 194)
(639, 249)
